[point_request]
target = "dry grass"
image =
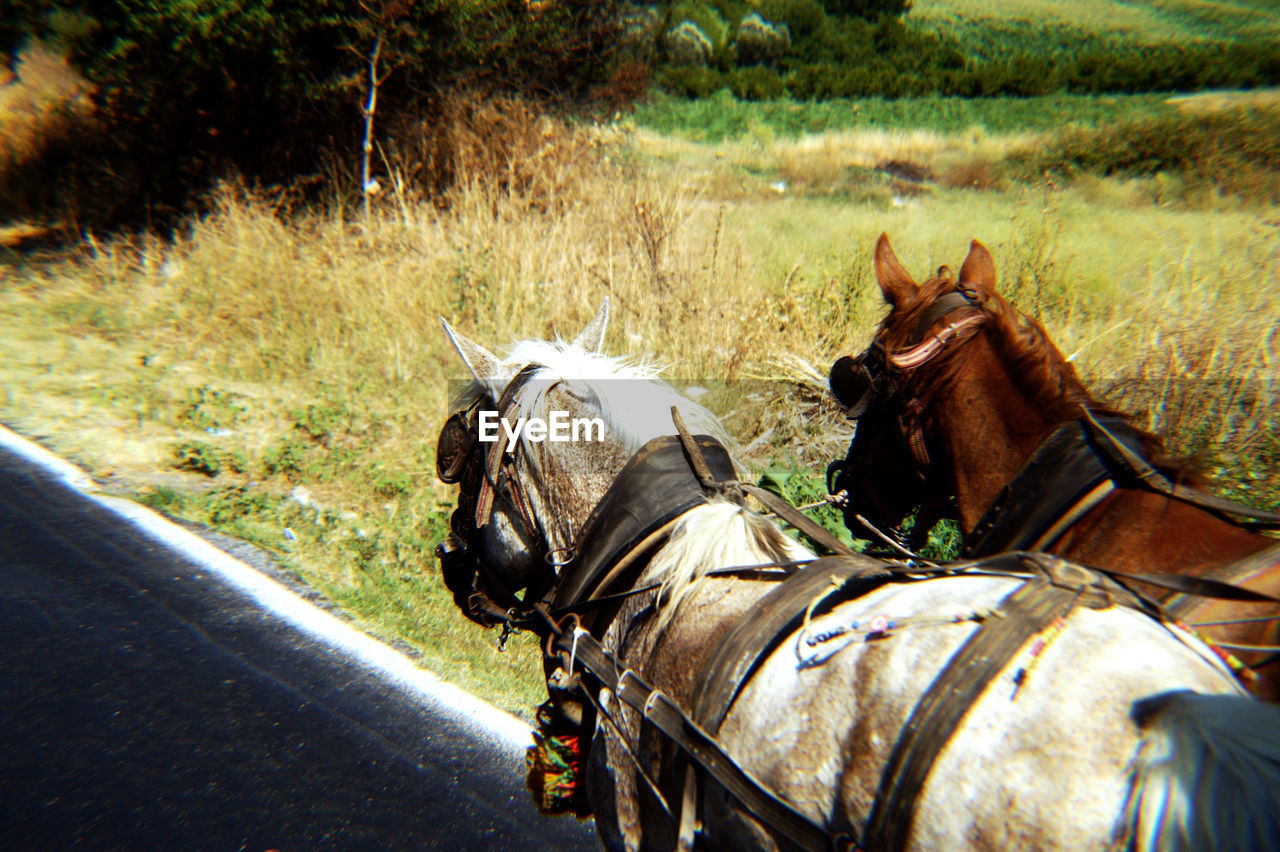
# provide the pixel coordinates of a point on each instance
(1203, 102)
(309, 344)
(43, 92)
(41, 108)
(822, 158)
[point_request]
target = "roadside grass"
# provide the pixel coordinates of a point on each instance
(281, 375)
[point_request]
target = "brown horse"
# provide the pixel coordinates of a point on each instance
(972, 396)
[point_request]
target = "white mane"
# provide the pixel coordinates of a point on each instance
(627, 394)
(719, 534)
(635, 405)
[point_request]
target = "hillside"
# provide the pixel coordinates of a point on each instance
(990, 31)
(807, 50)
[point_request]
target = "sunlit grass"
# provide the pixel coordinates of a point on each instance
(1025, 26)
(309, 345)
(722, 117)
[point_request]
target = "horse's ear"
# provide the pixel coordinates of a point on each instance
(895, 282)
(482, 363)
(591, 338)
(979, 270)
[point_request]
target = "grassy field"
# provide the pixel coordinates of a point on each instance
(279, 372)
(721, 117)
(991, 31)
(282, 376)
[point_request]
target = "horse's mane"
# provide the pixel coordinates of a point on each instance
(1035, 364)
(716, 535)
(627, 394)
(635, 405)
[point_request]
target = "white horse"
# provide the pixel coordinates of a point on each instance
(1110, 731)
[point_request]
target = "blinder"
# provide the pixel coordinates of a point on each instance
(856, 382)
(453, 449)
(864, 384)
(463, 459)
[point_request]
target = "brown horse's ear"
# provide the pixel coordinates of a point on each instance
(895, 282)
(979, 270)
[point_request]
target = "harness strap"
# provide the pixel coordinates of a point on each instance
(909, 359)
(799, 520)
(1222, 582)
(1029, 609)
(499, 457)
(773, 502)
(1157, 481)
(1063, 478)
(654, 488)
(943, 305)
(759, 630)
(666, 716)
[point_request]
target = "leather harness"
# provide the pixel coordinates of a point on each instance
(1066, 474)
(665, 479)
(654, 489)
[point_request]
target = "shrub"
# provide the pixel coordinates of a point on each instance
(869, 9)
(803, 18)
(757, 83)
(696, 34)
(689, 82)
(758, 40)
(638, 32)
(1233, 150)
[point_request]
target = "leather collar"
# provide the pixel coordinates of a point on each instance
(1061, 472)
(656, 486)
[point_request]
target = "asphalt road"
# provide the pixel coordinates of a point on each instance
(147, 703)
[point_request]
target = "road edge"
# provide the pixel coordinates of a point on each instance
(281, 601)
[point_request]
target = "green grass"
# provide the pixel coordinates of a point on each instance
(724, 117)
(1049, 28)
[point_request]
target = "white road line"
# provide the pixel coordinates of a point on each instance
(278, 599)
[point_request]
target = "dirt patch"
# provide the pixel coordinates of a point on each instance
(1218, 101)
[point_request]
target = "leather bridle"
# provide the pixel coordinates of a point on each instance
(485, 472)
(867, 384)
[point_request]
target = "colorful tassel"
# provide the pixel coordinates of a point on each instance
(554, 764)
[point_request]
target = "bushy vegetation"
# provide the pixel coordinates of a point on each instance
(885, 58)
(863, 48)
(1232, 151)
(188, 92)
